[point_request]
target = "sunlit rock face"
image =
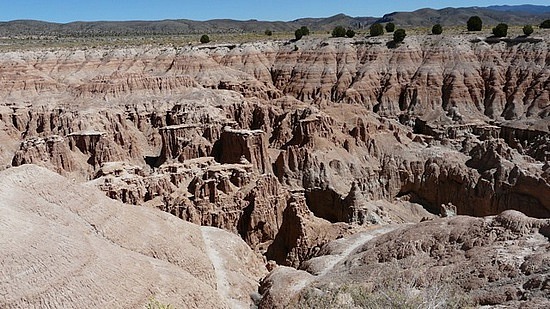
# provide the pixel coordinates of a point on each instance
(290, 145)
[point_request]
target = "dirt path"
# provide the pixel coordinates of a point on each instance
(352, 244)
(330, 261)
(222, 282)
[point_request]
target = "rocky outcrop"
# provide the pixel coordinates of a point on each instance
(183, 142)
(52, 152)
(262, 218)
(244, 146)
(229, 196)
(301, 234)
(130, 185)
(478, 193)
(95, 145)
(532, 142)
(116, 85)
(77, 148)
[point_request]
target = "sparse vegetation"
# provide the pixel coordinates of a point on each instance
(528, 30)
(268, 32)
(205, 39)
(376, 29)
(399, 35)
(474, 23)
(501, 30)
(339, 32)
(545, 24)
(390, 27)
(301, 32)
(437, 29)
(391, 292)
(155, 304)
(298, 34)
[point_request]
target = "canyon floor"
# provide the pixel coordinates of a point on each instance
(324, 172)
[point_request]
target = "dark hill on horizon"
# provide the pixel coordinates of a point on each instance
(529, 8)
(513, 15)
(176, 26)
(458, 16)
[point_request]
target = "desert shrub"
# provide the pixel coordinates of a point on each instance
(350, 33)
(205, 39)
(474, 23)
(305, 30)
(298, 34)
(399, 35)
(339, 32)
(268, 32)
(437, 29)
(545, 24)
(500, 30)
(390, 293)
(390, 27)
(155, 304)
(376, 29)
(528, 30)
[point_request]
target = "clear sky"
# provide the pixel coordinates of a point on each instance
(93, 10)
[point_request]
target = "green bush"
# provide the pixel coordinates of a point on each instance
(376, 29)
(268, 32)
(305, 30)
(339, 32)
(298, 34)
(399, 35)
(528, 30)
(545, 24)
(474, 23)
(437, 29)
(205, 39)
(350, 33)
(501, 30)
(390, 27)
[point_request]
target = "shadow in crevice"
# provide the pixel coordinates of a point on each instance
(326, 204)
(414, 198)
(153, 161)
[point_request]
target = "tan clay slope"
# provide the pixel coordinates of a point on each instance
(69, 246)
(460, 261)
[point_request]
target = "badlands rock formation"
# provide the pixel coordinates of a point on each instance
(68, 246)
(291, 145)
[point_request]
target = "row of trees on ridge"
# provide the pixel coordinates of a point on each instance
(501, 30)
(474, 23)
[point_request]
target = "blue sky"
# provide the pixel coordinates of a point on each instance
(90, 10)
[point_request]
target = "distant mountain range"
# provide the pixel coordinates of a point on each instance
(527, 8)
(513, 15)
